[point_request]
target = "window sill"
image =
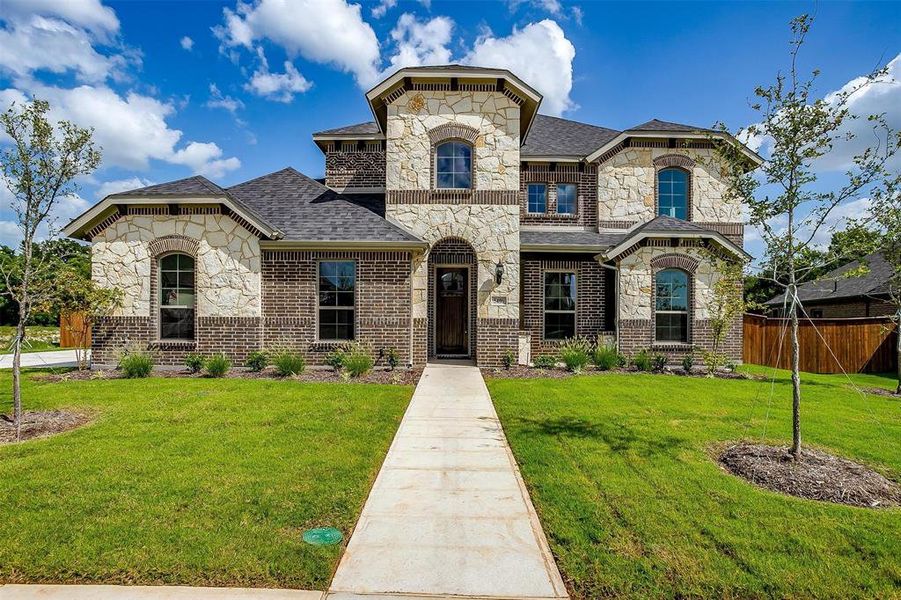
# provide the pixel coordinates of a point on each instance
(671, 346)
(329, 343)
(174, 344)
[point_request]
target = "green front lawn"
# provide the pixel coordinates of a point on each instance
(619, 469)
(191, 481)
(38, 338)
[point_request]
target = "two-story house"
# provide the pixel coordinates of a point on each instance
(458, 223)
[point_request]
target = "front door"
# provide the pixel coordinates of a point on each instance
(452, 311)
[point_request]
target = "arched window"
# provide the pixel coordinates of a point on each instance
(176, 297)
(672, 193)
(671, 308)
(453, 165)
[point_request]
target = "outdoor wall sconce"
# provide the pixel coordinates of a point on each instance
(498, 272)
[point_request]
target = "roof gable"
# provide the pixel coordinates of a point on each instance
(197, 185)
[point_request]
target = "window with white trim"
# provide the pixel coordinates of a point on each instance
(672, 193)
(453, 166)
(671, 306)
(176, 297)
(336, 299)
(559, 305)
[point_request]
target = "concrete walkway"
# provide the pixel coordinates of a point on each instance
(53, 358)
(448, 514)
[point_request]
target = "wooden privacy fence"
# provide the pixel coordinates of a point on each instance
(865, 345)
(72, 333)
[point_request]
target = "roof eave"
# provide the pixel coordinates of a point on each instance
(755, 158)
(630, 241)
(565, 248)
(339, 244)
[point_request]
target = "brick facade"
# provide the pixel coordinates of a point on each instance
(355, 168)
(855, 307)
(584, 176)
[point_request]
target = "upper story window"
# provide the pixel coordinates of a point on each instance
(672, 193)
(559, 305)
(537, 198)
(453, 166)
(337, 288)
(671, 306)
(566, 198)
(176, 297)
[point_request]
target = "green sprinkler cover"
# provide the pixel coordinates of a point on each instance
(322, 536)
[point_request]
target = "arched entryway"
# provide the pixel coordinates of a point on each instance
(452, 299)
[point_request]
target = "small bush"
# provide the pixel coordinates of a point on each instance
(392, 358)
(731, 366)
(660, 361)
(217, 365)
(194, 362)
(509, 359)
(575, 354)
(288, 363)
(257, 361)
(136, 364)
(545, 361)
(335, 359)
(642, 360)
(688, 361)
(358, 360)
(606, 358)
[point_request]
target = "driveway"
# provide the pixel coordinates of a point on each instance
(448, 513)
(57, 358)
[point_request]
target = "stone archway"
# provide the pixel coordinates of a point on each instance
(452, 299)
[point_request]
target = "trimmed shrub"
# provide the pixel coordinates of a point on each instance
(575, 353)
(357, 360)
(688, 361)
(136, 364)
(660, 361)
(257, 361)
(217, 365)
(392, 358)
(509, 359)
(642, 360)
(335, 359)
(545, 361)
(194, 362)
(606, 358)
(288, 363)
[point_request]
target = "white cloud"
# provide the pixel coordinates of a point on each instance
(218, 100)
(187, 43)
(131, 129)
(540, 54)
(420, 42)
(378, 11)
(89, 14)
(577, 14)
(323, 31)
(49, 44)
(280, 87)
(121, 185)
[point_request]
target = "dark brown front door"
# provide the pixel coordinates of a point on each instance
(451, 311)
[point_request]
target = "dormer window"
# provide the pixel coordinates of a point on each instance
(672, 193)
(453, 165)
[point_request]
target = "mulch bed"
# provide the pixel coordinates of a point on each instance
(381, 376)
(817, 476)
(38, 424)
(524, 372)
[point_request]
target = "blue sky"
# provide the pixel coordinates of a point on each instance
(234, 90)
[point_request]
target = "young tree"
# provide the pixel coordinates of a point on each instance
(887, 217)
(39, 167)
(725, 305)
(800, 129)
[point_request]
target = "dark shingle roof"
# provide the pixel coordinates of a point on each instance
(666, 126)
(367, 128)
(194, 186)
(592, 240)
(665, 224)
(836, 285)
(305, 210)
(552, 136)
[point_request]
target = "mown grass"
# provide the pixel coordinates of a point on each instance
(191, 481)
(619, 468)
(38, 338)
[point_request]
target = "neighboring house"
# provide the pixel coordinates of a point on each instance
(863, 293)
(460, 223)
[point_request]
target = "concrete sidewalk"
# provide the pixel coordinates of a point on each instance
(448, 514)
(147, 592)
(53, 358)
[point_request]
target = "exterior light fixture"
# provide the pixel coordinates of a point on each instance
(498, 272)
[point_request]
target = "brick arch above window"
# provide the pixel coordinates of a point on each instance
(173, 243)
(453, 131)
(675, 261)
(673, 160)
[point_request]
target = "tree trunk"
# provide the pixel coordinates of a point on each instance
(796, 378)
(17, 387)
